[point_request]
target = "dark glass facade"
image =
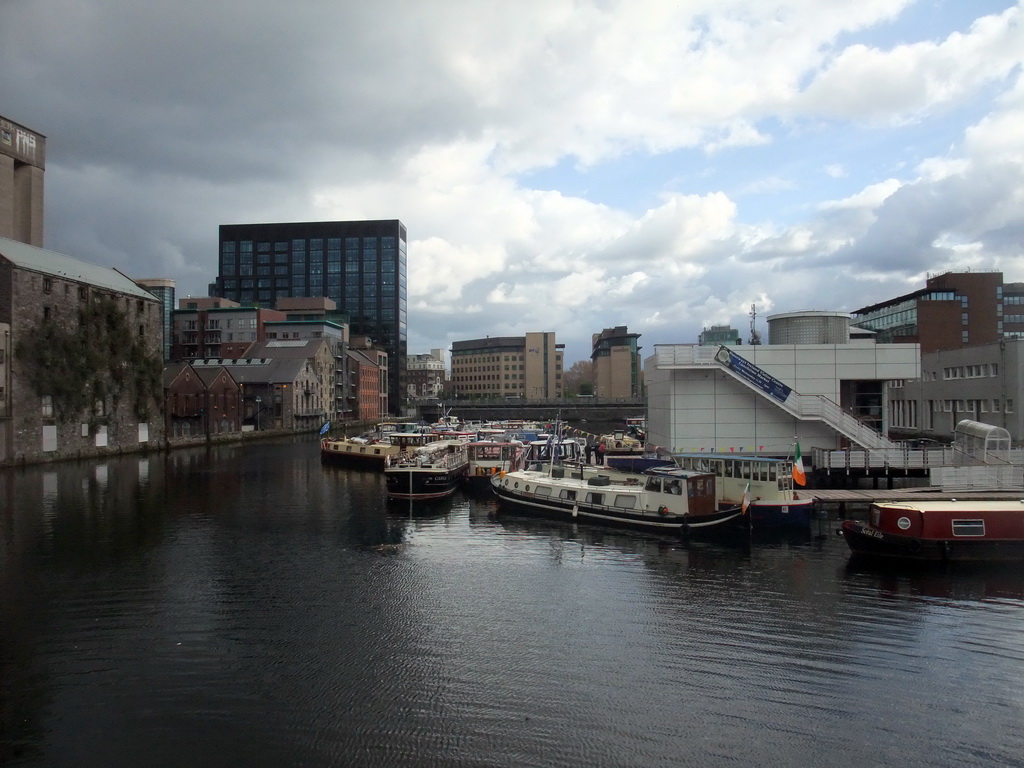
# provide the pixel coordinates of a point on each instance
(361, 265)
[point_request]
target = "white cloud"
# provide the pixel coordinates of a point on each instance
(714, 113)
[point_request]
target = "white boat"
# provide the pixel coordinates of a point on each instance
(766, 481)
(674, 501)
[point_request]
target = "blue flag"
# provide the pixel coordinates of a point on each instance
(325, 427)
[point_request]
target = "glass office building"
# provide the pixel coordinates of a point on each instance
(361, 265)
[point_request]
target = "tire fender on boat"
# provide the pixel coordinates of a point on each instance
(575, 510)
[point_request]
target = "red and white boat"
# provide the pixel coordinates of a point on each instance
(953, 530)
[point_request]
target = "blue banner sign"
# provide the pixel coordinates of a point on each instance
(747, 370)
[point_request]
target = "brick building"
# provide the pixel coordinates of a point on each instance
(81, 359)
(954, 310)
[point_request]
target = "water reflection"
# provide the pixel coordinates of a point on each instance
(952, 581)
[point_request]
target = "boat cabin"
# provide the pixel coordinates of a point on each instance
(770, 478)
(697, 487)
(544, 451)
(951, 520)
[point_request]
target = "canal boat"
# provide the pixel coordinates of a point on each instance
(678, 501)
(431, 471)
(375, 450)
(939, 531)
(488, 457)
(619, 443)
(766, 481)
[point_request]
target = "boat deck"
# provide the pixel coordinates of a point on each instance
(842, 497)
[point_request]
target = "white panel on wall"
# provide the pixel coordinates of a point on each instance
(49, 437)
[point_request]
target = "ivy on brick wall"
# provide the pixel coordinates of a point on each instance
(101, 358)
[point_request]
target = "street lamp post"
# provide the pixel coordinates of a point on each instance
(258, 401)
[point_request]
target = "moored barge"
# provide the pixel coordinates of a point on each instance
(939, 531)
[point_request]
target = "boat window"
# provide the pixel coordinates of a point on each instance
(773, 472)
(595, 498)
(626, 501)
(968, 527)
(744, 470)
(653, 484)
(729, 468)
(569, 495)
(362, 450)
(674, 487)
(543, 490)
(716, 467)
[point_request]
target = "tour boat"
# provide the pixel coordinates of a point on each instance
(432, 471)
(766, 481)
(677, 501)
(952, 530)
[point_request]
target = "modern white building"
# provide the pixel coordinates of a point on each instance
(763, 398)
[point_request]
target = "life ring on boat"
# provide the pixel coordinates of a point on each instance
(662, 510)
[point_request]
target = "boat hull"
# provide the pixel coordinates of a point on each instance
(780, 514)
(422, 483)
(866, 541)
(719, 522)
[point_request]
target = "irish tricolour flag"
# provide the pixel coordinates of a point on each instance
(799, 476)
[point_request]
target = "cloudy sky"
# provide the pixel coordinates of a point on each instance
(561, 165)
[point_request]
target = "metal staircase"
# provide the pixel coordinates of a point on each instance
(803, 407)
(813, 408)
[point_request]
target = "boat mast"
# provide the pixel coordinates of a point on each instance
(556, 441)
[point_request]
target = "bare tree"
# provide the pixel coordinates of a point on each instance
(578, 379)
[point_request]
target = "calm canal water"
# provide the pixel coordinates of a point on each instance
(247, 606)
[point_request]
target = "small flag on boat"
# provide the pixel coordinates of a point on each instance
(799, 476)
(745, 502)
(325, 427)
